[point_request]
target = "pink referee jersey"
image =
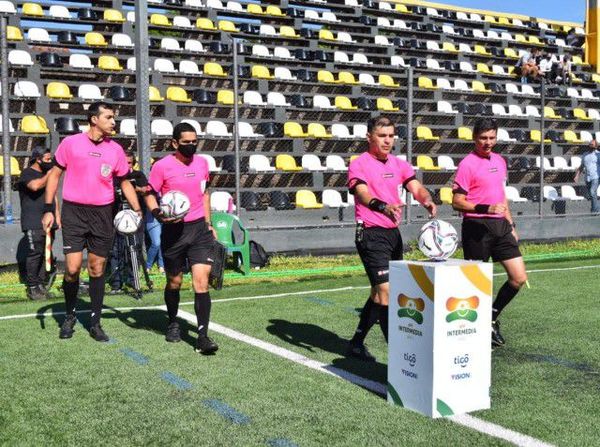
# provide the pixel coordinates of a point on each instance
(384, 180)
(90, 168)
(170, 174)
(482, 180)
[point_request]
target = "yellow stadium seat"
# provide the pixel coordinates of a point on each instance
(344, 103)
(489, 19)
(58, 90)
(535, 40)
(95, 40)
(424, 133)
(177, 94)
(113, 15)
(228, 26)
(286, 162)
(155, 94)
(426, 163)
(465, 133)
(572, 137)
(33, 9)
(261, 72)
(346, 77)
(509, 52)
(159, 20)
(596, 78)
(109, 63)
(511, 70)
(549, 113)
(273, 10)
(504, 21)
(387, 81)
(13, 33)
(402, 8)
(15, 169)
(450, 47)
(386, 105)
(325, 76)
(566, 28)
(580, 114)
(480, 49)
(214, 69)
(536, 136)
(480, 87)
(425, 82)
(225, 97)
(317, 130)
(288, 31)
(520, 38)
(253, 8)
(204, 23)
(577, 60)
(294, 130)
(34, 124)
(446, 195)
(483, 68)
(325, 34)
(307, 199)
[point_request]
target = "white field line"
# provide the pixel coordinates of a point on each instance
(472, 422)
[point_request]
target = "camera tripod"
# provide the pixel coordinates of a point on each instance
(130, 255)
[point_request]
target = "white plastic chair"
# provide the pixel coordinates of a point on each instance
(80, 61)
(127, 127)
(212, 164)
(26, 89)
(282, 53)
(89, 91)
(19, 57)
(550, 193)
(161, 127)
(284, 74)
(38, 35)
(561, 163)
(333, 199)
(513, 195)
(59, 12)
(194, 46)
(253, 98)
(260, 50)
(568, 192)
(121, 40)
(322, 102)
(446, 162)
(164, 66)
(312, 163)
(359, 131)
(217, 129)
(260, 163)
(246, 131)
(221, 201)
(445, 107)
(335, 162)
(277, 99)
(340, 131)
(182, 22)
(170, 44)
(195, 124)
(189, 67)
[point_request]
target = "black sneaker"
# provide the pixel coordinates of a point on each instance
(173, 333)
(116, 291)
(360, 351)
(67, 328)
(97, 333)
(497, 338)
(35, 293)
(205, 345)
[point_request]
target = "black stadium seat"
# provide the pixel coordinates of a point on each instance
(280, 201)
(251, 201)
(520, 164)
(219, 48)
(120, 93)
(202, 96)
(270, 130)
(228, 163)
(323, 56)
(248, 28)
(366, 103)
(369, 21)
(305, 75)
(87, 14)
(67, 37)
(303, 54)
(66, 125)
(50, 60)
(308, 33)
(299, 101)
(172, 2)
(295, 13)
(531, 193)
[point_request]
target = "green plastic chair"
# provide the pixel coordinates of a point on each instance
(223, 223)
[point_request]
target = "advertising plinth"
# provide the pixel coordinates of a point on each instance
(439, 359)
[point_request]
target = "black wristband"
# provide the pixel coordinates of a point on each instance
(482, 209)
(514, 225)
(49, 208)
(377, 205)
(156, 212)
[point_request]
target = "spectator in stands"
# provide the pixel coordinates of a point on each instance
(545, 63)
(120, 271)
(590, 164)
(488, 229)
(526, 67)
(573, 39)
(89, 161)
(32, 187)
(564, 70)
(374, 178)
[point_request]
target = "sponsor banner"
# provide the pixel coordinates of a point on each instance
(439, 336)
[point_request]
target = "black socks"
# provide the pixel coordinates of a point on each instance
(96, 298)
(368, 317)
(70, 290)
(172, 302)
(505, 295)
(202, 306)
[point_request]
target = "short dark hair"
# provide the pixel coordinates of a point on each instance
(379, 121)
(483, 125)
(131, 154)
(181, 128)
(94, 109)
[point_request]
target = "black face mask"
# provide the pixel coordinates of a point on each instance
(187, 150)
(46, 165)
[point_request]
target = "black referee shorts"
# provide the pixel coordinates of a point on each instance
(485, 238)
(87, 226)
(183, 242)
(376, 248)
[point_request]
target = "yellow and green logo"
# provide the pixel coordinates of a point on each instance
(462, 308)
(411, 308)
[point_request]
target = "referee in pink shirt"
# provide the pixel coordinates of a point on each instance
(376, 178)
(89, 161)
(188, 242)
(488, 229)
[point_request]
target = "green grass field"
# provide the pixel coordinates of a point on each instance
(139, 390)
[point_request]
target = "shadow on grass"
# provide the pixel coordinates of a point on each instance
(312, 338)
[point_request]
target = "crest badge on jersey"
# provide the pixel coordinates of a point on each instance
(105, 170)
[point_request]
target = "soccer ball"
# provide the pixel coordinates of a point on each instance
(127, 222)
(175, 204)
(438, 240)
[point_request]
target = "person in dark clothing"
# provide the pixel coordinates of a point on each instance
(32, 187)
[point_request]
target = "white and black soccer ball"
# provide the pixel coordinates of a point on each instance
(175, 204)
(127, 221)
(438, 240)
